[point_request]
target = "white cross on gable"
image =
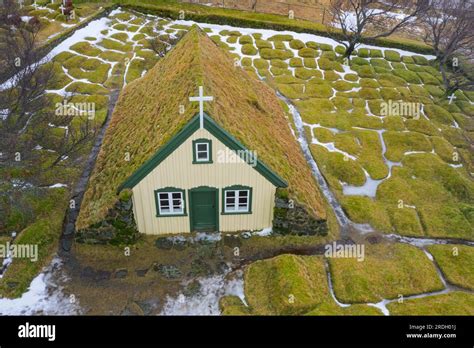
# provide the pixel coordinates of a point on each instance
(201, 99)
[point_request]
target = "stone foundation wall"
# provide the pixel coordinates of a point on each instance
(293, 218)
(118, 228)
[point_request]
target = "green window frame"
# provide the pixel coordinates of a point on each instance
(166, 202)
(198, 150)
(233, 198)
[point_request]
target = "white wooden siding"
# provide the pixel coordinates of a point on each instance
(177, 170)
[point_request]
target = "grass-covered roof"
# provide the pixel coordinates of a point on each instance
(147, 116)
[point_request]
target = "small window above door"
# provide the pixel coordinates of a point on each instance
(202, 151)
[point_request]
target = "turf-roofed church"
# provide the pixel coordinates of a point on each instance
(185, 170)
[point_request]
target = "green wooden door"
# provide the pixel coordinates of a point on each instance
(204, 210)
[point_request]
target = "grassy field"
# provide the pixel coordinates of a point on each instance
(454, 303)
(44, 233)
(54, 23)
(173, 9)
(388, 271)
(456, 263)
(289, 285)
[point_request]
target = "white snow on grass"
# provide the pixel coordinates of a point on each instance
(263, 233)
(266, 33)
(206, 300)
(43, 297)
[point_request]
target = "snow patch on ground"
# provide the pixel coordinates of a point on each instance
(206, 301)
(44, 296)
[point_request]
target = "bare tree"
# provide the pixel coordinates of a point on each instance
(25, 110)
(370, 19)
(450, 31)
(25, 80)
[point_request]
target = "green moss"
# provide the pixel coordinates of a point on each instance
(390, 80)
(334, 164)
(456, 263)
(341, 85)
(232, 305)
(296, 62)
(428, 79)
(444, 149)
(279, 45)
(114, 45)
(297, 44)
(388, 270)
(330, 75)
(380, 63)
(267, 53)
(279, 63)
(421, 125)
(281, 37)
(376, 53)
(415, 68)
(291, 91)
(363, 52)
(406, 221)
(232, 39)
(420, 60)
(245, 39)
(437, 113)
(392, 56)
(445, 221)
(111, 56)
(286, 284)
(369, 93)
(370, 83)
(326, 64)
(365, 71)
(86, 88)
(340, 49)
(359, 61)
(319, 90)
(324, 135)
(288, 79)
(453, 303)
(306, 74)
(398, 143)
(351, 77)
(263, 44)
(407, 75)
(43, 232)
(86, 48)
(249, 49)
(393, 123)
(260, 63)
(419, 91)
(324, 47)
(307, 53)
(363, 209)
(390, 94)
(310, 63)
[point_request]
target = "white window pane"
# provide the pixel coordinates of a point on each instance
(170, 203)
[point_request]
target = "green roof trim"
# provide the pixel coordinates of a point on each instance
(192, 126)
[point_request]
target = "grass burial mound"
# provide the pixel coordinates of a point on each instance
(147, 116)
(289, 285)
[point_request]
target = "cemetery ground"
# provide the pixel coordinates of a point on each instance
(404, 173)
